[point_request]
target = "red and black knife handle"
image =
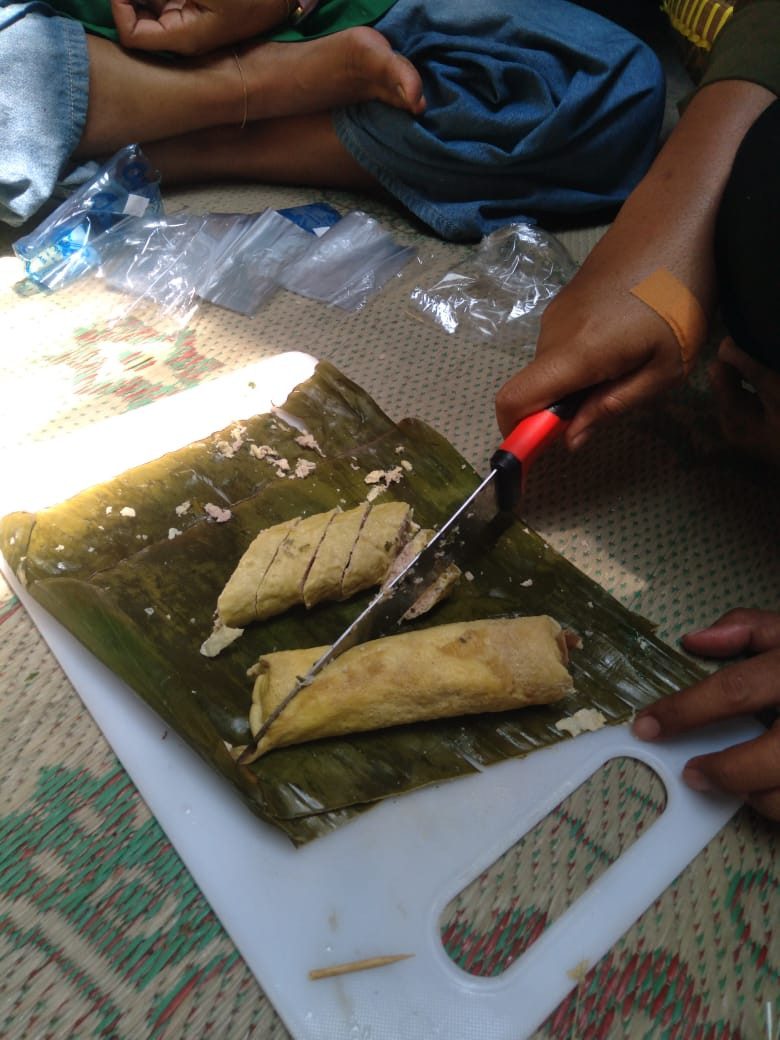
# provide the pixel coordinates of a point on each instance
(526, 442)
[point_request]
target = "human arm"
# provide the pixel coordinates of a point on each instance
(595, 333)
(750, 769)
(197, 26)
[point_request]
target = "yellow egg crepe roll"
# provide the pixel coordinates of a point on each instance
(464, 668)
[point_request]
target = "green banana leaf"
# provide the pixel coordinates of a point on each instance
(143, 602)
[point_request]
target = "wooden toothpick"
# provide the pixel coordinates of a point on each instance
(349, 966)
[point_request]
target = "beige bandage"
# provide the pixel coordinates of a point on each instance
(679, 308)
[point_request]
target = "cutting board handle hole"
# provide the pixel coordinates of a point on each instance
(498, 916)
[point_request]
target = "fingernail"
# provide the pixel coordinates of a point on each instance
(646, 727)
(579, 440)
(698, 781)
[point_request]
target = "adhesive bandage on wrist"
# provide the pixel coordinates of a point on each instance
(676, 304)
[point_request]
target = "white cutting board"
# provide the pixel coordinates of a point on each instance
(378, 885)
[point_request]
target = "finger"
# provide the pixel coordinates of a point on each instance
(743, 769)
(767, 803)
(125, 18)
(143, 32)
(763, 379)
(744, 688)
(545, 380)
(736, 632)
(739, 409)
(558, 372)
(729, 388)
(614, 400)
(749, 420)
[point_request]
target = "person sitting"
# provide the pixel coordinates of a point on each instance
(706, 215)
(470, 116)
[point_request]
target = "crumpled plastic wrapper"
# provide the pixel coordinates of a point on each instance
(502, 289)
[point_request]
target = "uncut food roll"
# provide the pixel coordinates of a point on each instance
(463, 668)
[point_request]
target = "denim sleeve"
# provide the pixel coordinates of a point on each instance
(43, 105)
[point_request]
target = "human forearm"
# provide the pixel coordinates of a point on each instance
(669, 217)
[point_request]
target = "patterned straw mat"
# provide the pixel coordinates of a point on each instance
(104, 933)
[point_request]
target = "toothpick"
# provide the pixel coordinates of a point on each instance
(349, 966)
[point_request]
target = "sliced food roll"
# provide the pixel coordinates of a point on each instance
(432, 594)
(463, 668)
(385, 530)
(325, 556)
(237, 603)
(323, 582)
(282, 584)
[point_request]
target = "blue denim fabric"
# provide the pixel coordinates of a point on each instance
(43, 105)
(536, 108)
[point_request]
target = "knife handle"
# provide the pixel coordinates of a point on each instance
(526, 442)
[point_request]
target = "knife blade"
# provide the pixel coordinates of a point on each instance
(499, 492)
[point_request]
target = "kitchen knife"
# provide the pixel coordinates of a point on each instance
(500, 492)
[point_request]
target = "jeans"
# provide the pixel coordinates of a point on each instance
(535, 110)
(43, 106)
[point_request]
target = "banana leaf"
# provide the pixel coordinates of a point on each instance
(143, 602)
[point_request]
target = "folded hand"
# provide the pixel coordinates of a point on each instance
(189, 27)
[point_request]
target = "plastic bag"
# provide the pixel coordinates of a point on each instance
(503, 287)
(352, 260)
(68, 243)
(115, 227)
(163, 261)
(247, 264)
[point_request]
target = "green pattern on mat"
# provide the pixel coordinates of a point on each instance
(79, 855)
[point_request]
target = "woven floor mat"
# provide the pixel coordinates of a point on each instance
(105, 934)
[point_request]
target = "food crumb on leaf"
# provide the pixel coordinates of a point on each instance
(222, 636)
(303, 467)
(306, 440)
(586, 720)
(217, 513)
